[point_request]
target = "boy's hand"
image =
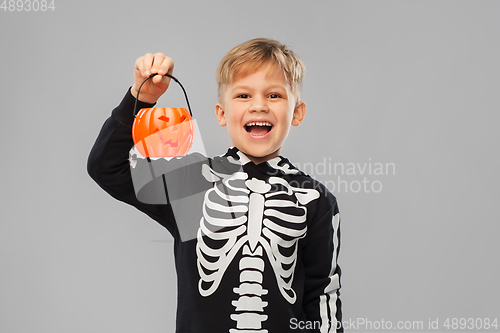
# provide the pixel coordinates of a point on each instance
(153, 88)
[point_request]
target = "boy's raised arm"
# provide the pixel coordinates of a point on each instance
(108, 163)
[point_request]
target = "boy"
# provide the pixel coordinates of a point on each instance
(263, 254)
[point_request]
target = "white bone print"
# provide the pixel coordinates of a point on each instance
(255, 217)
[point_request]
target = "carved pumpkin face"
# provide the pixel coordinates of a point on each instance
(163, 132)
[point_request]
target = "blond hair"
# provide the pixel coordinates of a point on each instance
(253, 54)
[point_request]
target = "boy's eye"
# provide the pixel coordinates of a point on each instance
(274, 96)
(243, 96)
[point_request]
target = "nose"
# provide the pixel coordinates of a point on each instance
(259, 104)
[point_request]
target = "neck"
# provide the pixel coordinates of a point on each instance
(261, 159)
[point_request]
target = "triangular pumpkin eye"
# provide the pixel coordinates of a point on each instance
(166, 119)
(183, 118)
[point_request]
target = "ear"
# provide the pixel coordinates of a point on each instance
(299, 114)
(220, 114)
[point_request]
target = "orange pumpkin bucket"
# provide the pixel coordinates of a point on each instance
(163, 132)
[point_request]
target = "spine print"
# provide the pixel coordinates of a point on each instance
(250, 306)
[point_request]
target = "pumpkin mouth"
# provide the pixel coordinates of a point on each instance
(258, 127)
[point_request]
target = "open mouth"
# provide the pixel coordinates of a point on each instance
(258, 127)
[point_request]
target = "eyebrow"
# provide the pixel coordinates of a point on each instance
(274, 86)
(240, 87)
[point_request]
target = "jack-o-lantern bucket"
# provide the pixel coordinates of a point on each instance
(163, 132)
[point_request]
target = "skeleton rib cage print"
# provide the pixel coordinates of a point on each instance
(258, 218)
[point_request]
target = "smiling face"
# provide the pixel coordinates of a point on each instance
(258, 109)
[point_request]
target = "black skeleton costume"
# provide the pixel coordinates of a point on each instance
(255, 246)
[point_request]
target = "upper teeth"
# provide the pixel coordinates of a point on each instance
(259, 123)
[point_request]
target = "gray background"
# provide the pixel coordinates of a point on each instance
(414, 83)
